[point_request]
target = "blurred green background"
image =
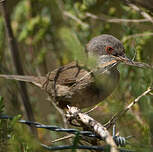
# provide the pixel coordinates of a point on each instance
(51, 33)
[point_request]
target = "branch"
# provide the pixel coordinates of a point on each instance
(75, 18)
(17, 62)
(86, 121)
(145, 4)
(143, 13)
(137, 35)
(121, 113)
(116, 20)
(60, 111)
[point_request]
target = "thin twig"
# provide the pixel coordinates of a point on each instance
(62, 138)
(75, 18)
(137, 35)
(151, 93)
(116, 20)
(143, 13)
(61, 112)
(95, 107)
(121, 113)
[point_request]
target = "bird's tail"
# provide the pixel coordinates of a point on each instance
(38, 81)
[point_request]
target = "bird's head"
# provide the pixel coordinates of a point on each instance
(105, 48)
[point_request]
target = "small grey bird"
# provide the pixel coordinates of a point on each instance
(74, 85)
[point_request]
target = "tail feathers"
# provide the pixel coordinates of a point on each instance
(38, 81)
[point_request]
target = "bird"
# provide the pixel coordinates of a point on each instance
(77, 85)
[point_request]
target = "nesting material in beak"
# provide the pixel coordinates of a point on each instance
(128, 61)
(124, 59)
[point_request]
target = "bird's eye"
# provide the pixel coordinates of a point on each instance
(109, 49)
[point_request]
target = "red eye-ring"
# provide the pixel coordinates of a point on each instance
(109, 49)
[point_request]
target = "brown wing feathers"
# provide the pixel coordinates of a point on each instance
(66, 75)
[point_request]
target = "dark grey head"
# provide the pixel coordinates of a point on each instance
(104, 47)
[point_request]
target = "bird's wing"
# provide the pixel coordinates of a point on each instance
(66, 75)
(69, 74)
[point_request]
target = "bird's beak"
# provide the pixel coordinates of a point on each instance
(110, 61)
(123, 58)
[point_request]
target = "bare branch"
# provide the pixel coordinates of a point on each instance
(137, 35)
(63, 138)
(151, 93)
(143, 13)
(116, 20)
(92, 109)
(75, 18)
(121, 113)
(88, 122)
(148, 4)
(61, 112)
